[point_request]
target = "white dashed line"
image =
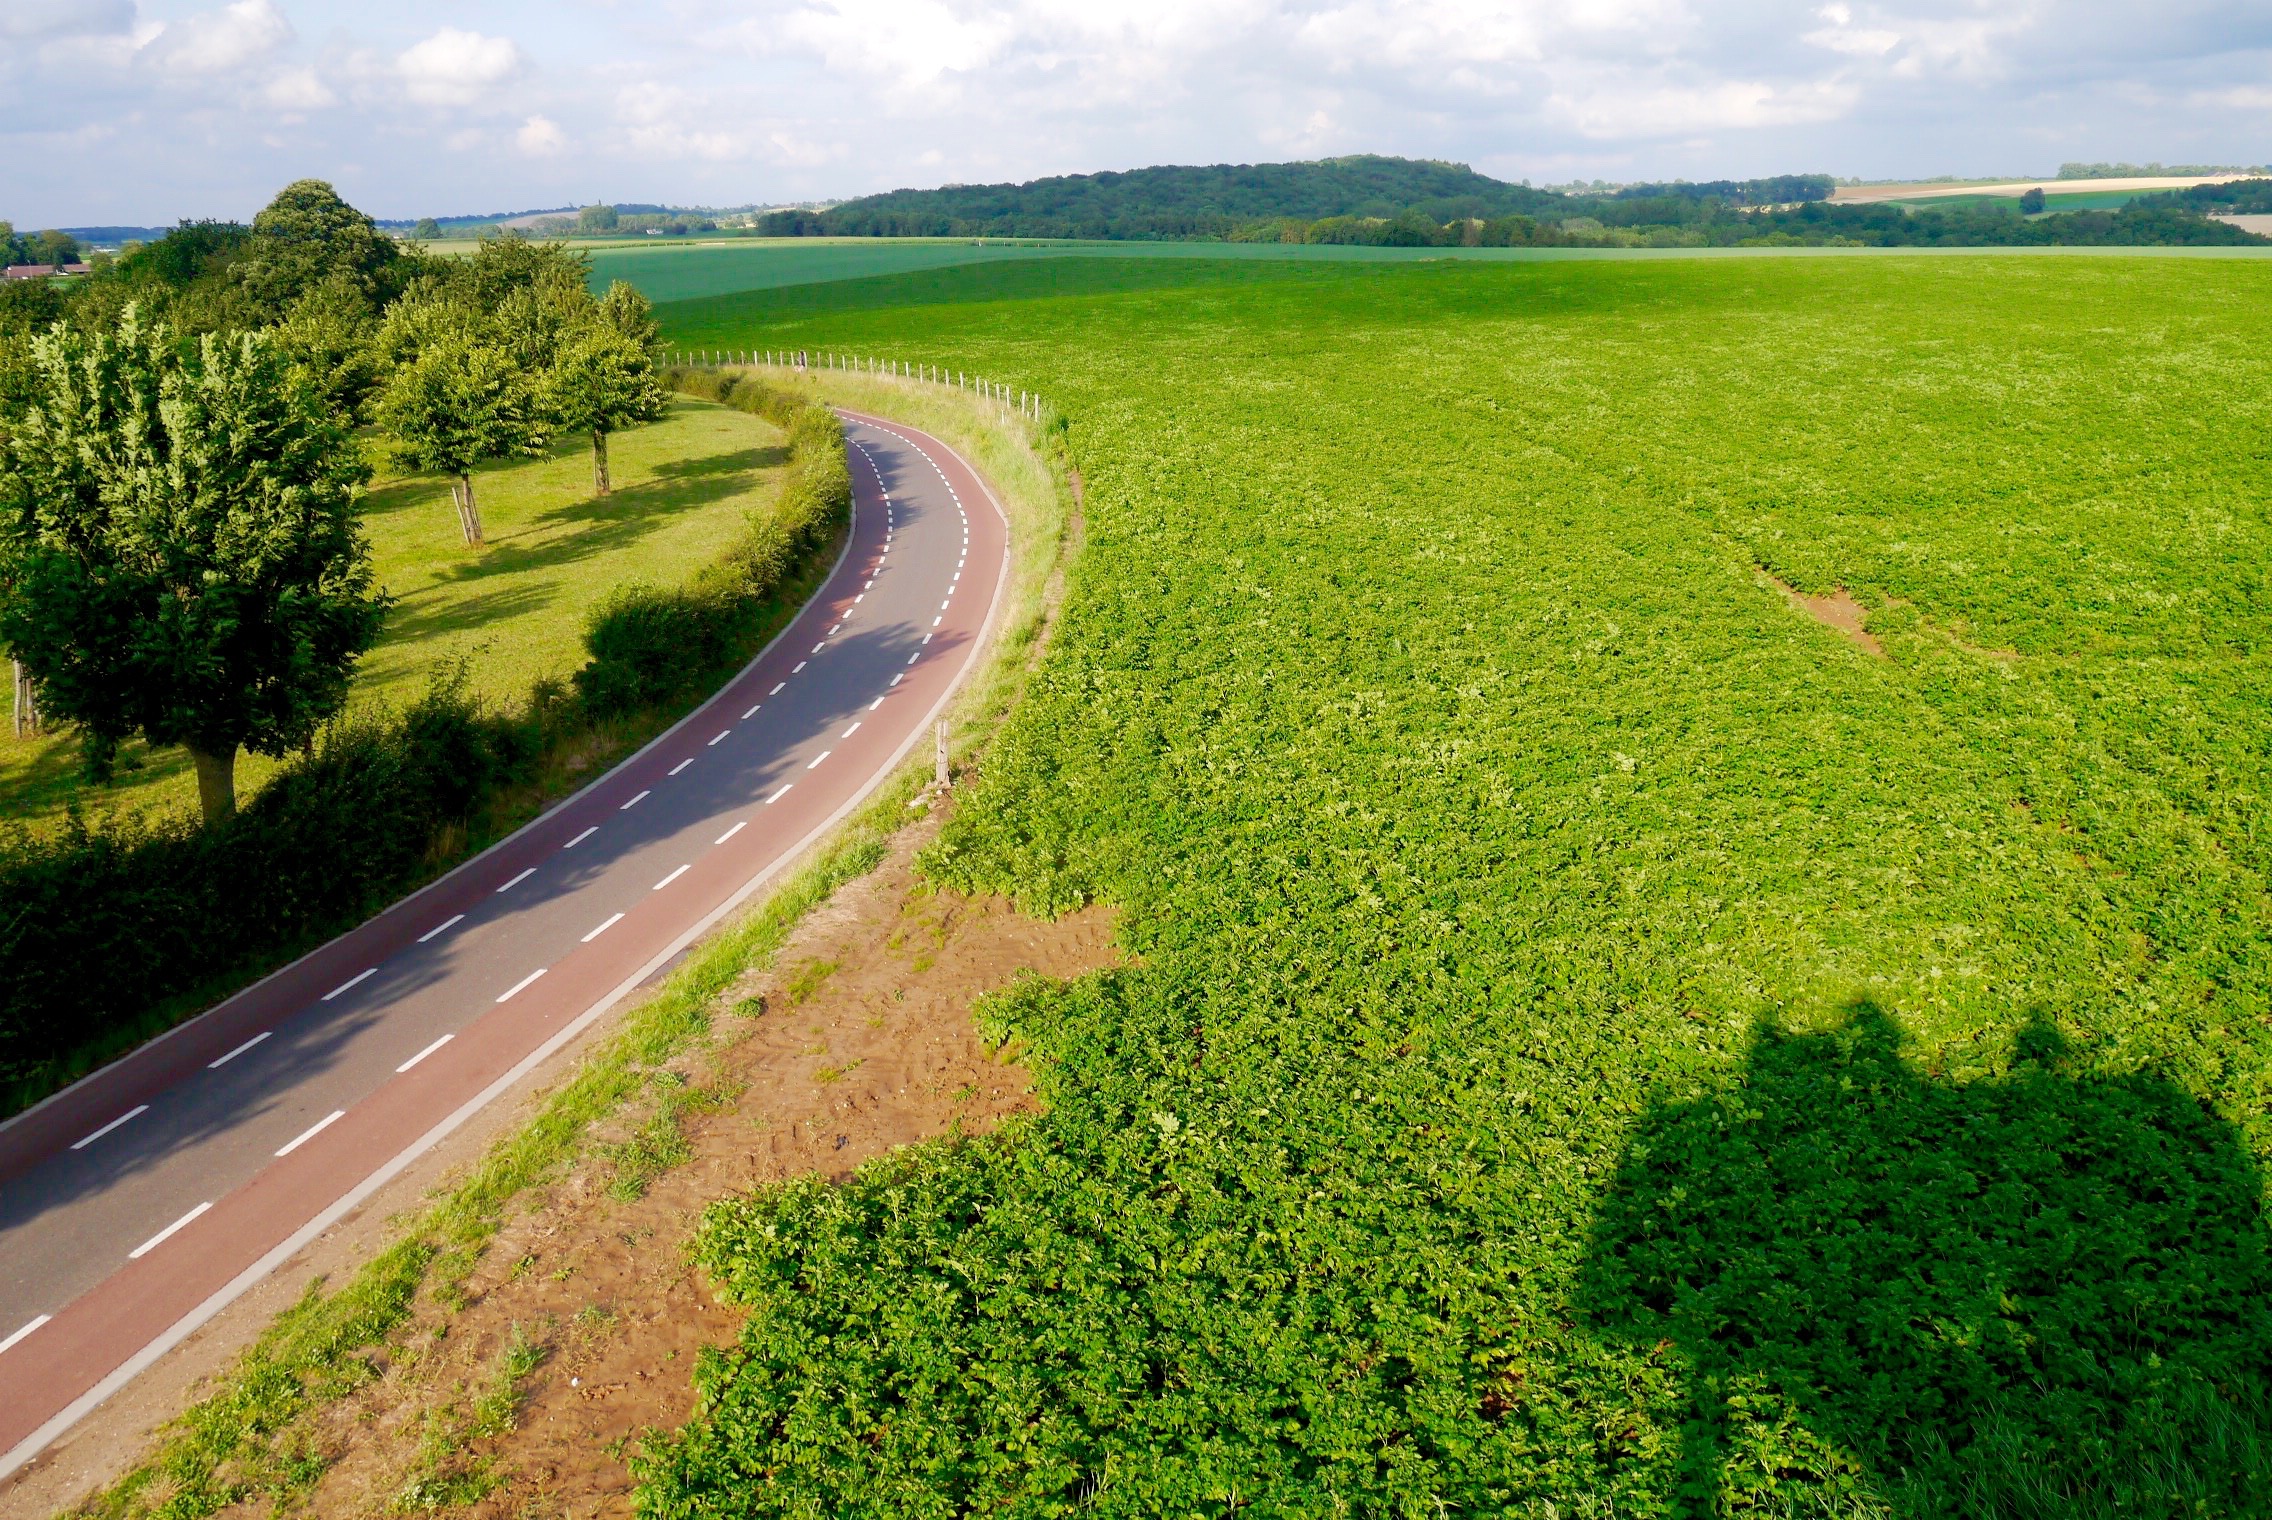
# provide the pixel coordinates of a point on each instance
(911, 659)
(935, 622)
(165, 1234)
(423, 1054)
(571, 844)
(831, 634)
(777, 796)
(682, 765)
(927, 637)
(132, 1113)
(751, 713)
(666, 881)
(895, 680)
(351, 981)
(800, 665)
(520, 986)
(817, 759)
(872, 706)
(613, 920)
(722, 733)
(28, 1329)
(634, 802)
(312, 1131)
(817, 648)
(776, 691)
(525, 875)
(240, 1050)
(730, 833)
(949, 602)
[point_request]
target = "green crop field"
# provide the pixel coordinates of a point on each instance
(1597, 1042)
(511, 614)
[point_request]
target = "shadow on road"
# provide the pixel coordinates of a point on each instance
(2044, 1294)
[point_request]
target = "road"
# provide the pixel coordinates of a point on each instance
(137, 1204)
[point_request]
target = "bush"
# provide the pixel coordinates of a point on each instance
(172, 911)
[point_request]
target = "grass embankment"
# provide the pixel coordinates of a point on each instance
(512, 613)
(255, 1439)
(1603, 1043)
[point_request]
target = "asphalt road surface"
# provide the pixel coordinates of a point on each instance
(136, 1204)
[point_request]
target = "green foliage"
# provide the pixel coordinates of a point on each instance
(170, 910)
(180, 558)
(457, 394)
(308, 237)
(1492, 1121)
(1170, 201)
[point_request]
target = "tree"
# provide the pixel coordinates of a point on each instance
(180, 556)
(630, 313)
(53, 247)
(2031, 201)
(306, 236)
(458, 395)
(427, 230)
(596, 219)
(602, 382)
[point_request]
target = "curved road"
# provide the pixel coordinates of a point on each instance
(137, 1204)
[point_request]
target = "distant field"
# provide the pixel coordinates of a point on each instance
(1599, 1043)
(512, 613)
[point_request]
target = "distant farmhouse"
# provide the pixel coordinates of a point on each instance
(42, 271)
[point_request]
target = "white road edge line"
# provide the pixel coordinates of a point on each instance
(312, 1131)
(518, 987)
(350, 982)
(167, 1233)
(240, 1050)
(236, 1287)
(666, 881)
(570, 845)
(423, 1054)
(28, 1329)
(516, 881)
(613, 920)
(730, 833)
(133, 1113)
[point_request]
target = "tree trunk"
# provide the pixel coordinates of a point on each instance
(27, 702)
(469, 514)
(599, 462)
(216, 783)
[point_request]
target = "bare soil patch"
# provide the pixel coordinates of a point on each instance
(1838, 611)
(579, 1327)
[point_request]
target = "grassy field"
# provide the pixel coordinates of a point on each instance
(1601, 1043)
(512, 613)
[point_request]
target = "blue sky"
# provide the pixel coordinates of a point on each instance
(142, 111)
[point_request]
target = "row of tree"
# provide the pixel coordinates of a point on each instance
(49, 247)
(181, 552)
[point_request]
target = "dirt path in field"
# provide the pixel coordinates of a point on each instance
(864, 1042)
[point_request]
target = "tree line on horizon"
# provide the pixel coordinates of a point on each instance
(181, 552)
(1392, 202)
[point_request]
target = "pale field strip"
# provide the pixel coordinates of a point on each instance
(1853, 194)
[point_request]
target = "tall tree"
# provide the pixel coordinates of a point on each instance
(600, 383)
(307, 236)
(180, 556)
(458, 395)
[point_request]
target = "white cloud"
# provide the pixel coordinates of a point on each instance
(909, 42)
(220, 42)
(299, 90)
(1842, 36)
(540, 137)
(1611, 111)
(454, 68)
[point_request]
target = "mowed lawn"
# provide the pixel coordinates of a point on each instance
(512, 613)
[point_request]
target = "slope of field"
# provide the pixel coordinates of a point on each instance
(1598, 1042)
(510, 614)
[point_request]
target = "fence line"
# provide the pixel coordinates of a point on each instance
(1010, 401)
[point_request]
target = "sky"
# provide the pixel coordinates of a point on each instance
(145, 111)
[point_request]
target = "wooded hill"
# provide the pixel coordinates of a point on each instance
(1173, 201)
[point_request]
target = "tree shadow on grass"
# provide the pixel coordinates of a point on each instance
(579, 530)
(2044, 1294)
(428, 614)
